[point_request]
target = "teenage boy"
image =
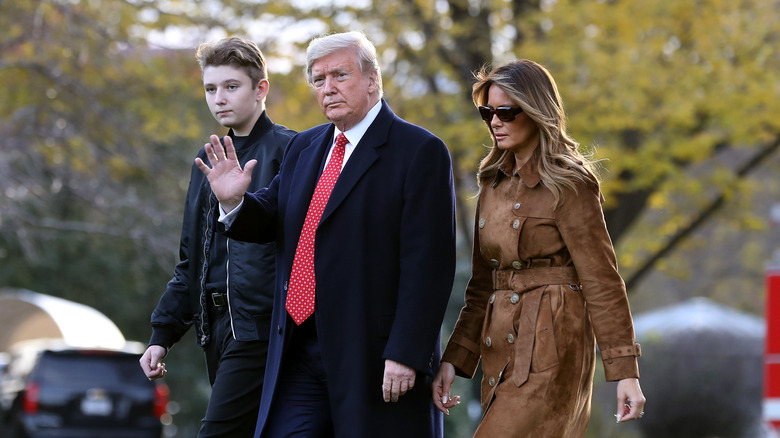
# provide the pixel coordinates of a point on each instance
(222, 286)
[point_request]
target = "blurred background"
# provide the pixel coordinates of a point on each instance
(102, 111)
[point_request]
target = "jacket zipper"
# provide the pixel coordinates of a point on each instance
(227, 287)
(204, 267)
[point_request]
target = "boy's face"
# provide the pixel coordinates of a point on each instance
(232, 99)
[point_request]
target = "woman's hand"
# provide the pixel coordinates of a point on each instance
(630, 400)
(442, 384)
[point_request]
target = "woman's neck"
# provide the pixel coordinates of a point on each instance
(522, 157)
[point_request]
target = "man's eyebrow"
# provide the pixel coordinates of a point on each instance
(223, 82)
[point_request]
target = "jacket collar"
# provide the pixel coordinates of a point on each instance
(262, 125)
(529, 174)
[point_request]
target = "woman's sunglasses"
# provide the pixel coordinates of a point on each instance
(504, 113)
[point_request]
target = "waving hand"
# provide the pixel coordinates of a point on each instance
(228, 181)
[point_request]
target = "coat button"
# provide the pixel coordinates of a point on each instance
(514, 298)
(279, 329)
(516, 224)
(492, 298)
(517, 206)
(482, 222)
(492, 381)
(285, 285)
(517, 265)
(494, 263)
(488, 341)
(510, 338)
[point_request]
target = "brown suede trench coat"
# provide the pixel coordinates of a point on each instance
(543, 283)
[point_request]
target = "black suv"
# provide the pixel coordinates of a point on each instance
(79, 393)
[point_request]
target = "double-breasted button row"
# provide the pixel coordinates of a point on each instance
(509, 338)
(514, 299)
(517, 264)
(515, 223)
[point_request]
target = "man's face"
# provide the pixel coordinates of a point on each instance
(232, 99)
(345, 94)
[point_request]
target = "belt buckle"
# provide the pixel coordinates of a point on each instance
(219, 299)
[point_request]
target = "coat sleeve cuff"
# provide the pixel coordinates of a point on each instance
(621, 362)
(463, 359)
(164, 335)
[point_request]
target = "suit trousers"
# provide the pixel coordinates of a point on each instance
(236, 370)
(301, 408)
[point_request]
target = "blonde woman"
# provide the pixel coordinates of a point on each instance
(545, 285)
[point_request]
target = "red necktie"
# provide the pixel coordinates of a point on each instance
(300, 296)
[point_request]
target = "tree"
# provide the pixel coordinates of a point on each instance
(91, 121)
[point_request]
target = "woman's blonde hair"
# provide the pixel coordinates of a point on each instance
(557, 159)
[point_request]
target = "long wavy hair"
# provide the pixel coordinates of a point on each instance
(557, 158)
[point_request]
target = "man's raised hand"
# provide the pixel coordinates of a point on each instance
(228, 181)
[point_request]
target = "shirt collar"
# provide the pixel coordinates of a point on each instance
(355, 134)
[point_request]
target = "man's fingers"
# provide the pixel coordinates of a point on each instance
(230, 149)
(403, 386)
(398, 379)
(222, 150)
(155, 371)
(386, 388)
(395, 389)
(249, 166)
(202, 166)
(391, 389)
(398, 387)
(217, 150)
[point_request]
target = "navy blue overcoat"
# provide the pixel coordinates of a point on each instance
(384, 264)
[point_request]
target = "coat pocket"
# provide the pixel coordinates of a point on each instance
(545, 352)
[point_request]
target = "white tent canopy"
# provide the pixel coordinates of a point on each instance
(698, 314)
(28, 315)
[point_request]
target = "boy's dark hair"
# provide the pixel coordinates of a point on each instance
(235, 52)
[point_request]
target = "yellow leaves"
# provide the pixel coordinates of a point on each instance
(658, 201)
(121, 169)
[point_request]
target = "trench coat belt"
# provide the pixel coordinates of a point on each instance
(530, 283)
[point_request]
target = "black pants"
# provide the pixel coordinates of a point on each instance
(301, 407)
(236, 370)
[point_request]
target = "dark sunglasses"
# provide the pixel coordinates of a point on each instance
(504, 113)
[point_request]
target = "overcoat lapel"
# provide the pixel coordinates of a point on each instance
(361, 160)
(304, 179)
